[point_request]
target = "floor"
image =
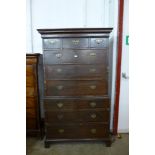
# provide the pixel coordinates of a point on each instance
(119, 147)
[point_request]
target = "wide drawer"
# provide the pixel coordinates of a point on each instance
(75, 43)
(75, 71)
(64, 104)
(75, 57)
(75, 88)
(99, 42)
(101, 115)
(77, 131)
(52, 43)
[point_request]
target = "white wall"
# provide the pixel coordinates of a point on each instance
(123, 121)
(113, 15)
(72, 13)
(63, 14)
(28, 27)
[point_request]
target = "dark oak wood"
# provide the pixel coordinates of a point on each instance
(75, 72)
(75, 31)
(75, 43)
(99, 42)
(76, 87)
(66, 56)
(69, 116)
(76, 84)
(33, 119)
(52, 43)
(74, 103)
(78, 131)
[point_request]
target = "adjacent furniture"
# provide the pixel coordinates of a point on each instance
(33, 125)
(77, 80)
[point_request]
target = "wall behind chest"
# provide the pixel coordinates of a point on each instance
(63, 14)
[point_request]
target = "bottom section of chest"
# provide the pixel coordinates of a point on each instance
(76, 118)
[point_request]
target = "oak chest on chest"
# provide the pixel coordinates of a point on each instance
(76, 84)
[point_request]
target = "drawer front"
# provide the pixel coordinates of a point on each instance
(75, 88)
(51, 43)
(64, 104)
(98, 42)
(75, 57)
(30, 81)
(80, 131)
(75, 43)
(75, 71)
(31, 123)
(30, 113)
(77, 116)
(31, 102)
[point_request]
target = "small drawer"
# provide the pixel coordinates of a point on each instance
(98, 43)
(59, 104)
(51, 43)
(75, 43)
(95, 115)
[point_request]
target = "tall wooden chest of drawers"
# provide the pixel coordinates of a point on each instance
(76, 84)
(33, 119)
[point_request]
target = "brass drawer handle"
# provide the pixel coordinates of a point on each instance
(92, 54)
(75, 42)
(60, 116)
(59, 70)
(61, 130)
(76, 56)
(59, 105)
(93, 116)
(58, 55)
(92, 104)
(98, 41)
(60, 87)
(92, 70)
(93, 131)
(93, 87)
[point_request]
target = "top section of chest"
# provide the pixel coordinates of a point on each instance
(90, 38)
